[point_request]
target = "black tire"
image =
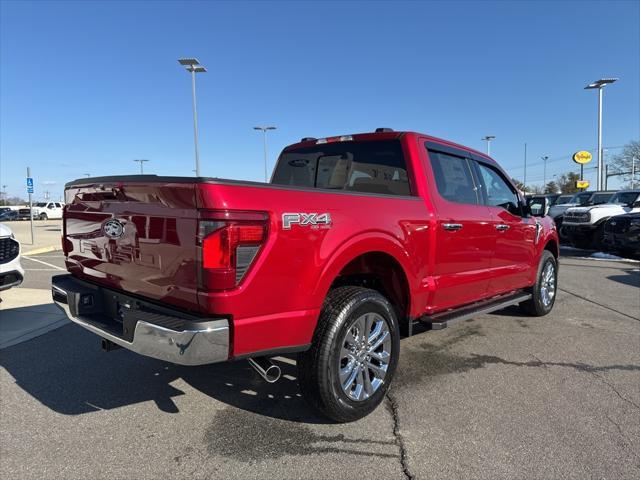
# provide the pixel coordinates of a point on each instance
(318, 367)
(43, 216)
(536, 306)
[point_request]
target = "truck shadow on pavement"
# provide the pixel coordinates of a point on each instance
(632, 278)
(68, 372)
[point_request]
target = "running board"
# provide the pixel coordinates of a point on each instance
(442, 320)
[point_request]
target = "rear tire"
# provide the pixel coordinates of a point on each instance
(347, 371)
(544, 291)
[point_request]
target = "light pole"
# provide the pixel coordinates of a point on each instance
(141, 160)
(193, 65)
(524, 181)
(488, 139)
(544, 170)
(87, 174)
(264, 143)
(600, 85)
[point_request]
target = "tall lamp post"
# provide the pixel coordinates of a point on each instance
(544, 170)
(599, 84)
(488, 139)
(141, 160)
(193, 65)
(264, 129)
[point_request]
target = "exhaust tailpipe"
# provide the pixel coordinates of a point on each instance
(267, 370)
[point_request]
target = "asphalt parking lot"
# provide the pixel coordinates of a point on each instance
(500, 396)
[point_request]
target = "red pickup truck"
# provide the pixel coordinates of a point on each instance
(355, 239)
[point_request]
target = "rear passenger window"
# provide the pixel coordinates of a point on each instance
(453, 178)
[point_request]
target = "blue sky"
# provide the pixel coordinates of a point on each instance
(90, 86)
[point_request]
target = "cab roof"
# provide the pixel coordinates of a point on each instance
(383, 134)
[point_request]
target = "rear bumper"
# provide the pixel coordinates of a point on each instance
(140, 326)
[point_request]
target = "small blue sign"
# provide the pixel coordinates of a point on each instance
(30, 182)
(29, 189)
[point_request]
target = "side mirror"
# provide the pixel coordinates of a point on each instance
(537, 206)
(636, 204)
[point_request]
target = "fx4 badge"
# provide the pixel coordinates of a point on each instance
(313, 220)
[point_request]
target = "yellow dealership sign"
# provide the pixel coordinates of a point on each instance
(582, 184)
(582, 157)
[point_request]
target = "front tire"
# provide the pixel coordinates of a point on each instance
(544, 291)
(347, 371)
(43, 216)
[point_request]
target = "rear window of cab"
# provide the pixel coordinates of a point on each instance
(376, 166)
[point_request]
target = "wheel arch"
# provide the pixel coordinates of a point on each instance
(374, 261)
(552, 246)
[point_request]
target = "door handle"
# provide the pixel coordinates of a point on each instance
(452, 226)
(502, 227)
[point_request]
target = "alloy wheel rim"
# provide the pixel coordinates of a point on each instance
(548, 285)
(364, 356)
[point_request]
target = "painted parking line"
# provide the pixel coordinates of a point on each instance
(44, 263)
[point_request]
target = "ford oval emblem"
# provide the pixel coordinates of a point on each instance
(113, 228)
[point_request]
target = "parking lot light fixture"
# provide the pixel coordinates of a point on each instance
(544, 176)
(264, 143)
(599, 85)
(141, 160)
(193, 65)
(488, 139)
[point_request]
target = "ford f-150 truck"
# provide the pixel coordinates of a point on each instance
(355, 239)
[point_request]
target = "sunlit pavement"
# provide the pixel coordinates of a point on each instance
(501, 396)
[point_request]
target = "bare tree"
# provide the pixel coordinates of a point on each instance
(551, 187)
(567, 182)
(623, 163)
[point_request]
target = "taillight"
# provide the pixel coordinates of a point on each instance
(228, 243)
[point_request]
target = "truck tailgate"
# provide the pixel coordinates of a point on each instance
(135, 236)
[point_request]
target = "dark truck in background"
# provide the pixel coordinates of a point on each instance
(356, 238)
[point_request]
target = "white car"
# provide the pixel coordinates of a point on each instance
(11, 272)
(47, 210)
(584, 226)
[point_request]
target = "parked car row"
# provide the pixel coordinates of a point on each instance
(10, 215)
(605, 220)
(41, 211)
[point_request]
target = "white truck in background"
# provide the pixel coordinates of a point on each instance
(47, 210)
(584, 226)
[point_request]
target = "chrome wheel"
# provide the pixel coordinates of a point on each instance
(364, 356)
(548, 284)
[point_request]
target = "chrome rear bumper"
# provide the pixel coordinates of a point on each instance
(182, 339)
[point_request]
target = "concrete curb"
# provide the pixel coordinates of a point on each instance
(38, 251)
